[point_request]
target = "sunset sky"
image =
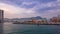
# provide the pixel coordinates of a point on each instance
(30, 8)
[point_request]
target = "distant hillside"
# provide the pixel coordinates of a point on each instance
(37, 17)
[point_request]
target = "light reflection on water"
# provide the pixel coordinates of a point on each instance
(10, 28)
(7, 28)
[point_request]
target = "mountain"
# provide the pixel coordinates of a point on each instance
(19, 19)
(38, 17)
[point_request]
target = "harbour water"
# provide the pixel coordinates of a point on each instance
(10, 28)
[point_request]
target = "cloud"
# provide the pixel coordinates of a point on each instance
(14, 11)
(30, 8)
(49, 9)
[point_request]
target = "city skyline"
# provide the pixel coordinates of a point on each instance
(30, 8)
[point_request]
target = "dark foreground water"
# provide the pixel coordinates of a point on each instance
(10, 28)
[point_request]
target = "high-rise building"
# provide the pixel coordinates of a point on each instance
(58, 18)
(1, 21)
(1, 16)
(54, 19)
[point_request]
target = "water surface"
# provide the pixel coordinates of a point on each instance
(10, 28)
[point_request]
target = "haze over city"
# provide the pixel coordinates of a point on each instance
(30, 8)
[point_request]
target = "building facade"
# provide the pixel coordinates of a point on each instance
(1, 16)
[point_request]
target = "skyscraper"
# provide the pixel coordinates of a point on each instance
(58, 18)
(1, 16)
(1, 21)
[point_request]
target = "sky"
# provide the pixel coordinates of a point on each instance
(30, 8)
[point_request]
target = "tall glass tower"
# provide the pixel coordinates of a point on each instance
(1, 16)
(1, 21)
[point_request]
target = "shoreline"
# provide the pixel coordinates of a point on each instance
(35, 24)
